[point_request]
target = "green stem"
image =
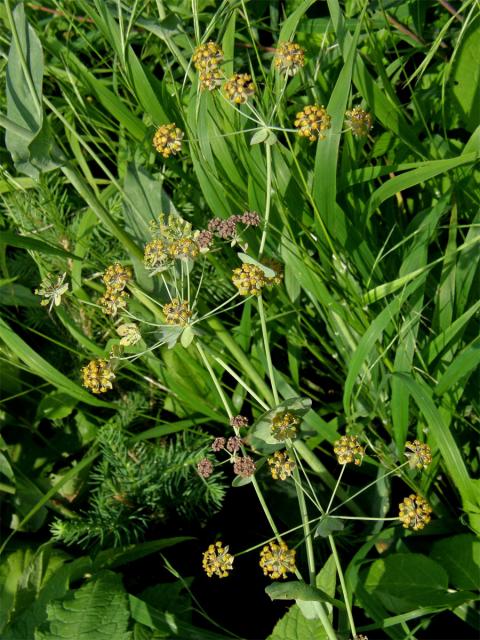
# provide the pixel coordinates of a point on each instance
(315, 464)
(343, 585)
(266, 346)
(244, 362)
(215, 380)
(268, 197)
(306, 528)
(242, 383)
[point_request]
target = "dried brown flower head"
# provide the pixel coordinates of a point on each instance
(244, 467)
(237, 422)
(218, 444)
(205, 468)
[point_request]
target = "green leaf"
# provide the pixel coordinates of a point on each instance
(328, 526)
(299, 591)
(260, 435)
(98, 609)
(259, 136)
(246, 259)
(461, 367)
(44, 369)
(25, 242)
(56, 406)
(460, 557)
(31, 151)
(405, 581)
(464, 81)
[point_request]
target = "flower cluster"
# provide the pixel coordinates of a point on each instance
(277, 560)
(129, 334)
(173, 240)
(239, 88)
(348, 449)
(281, 465)
(205, 468)
(359, 121)
(289, 58)
(238, 422)
(419, 454)
(312, 122)
(168, 140)
(414, 512)
(97, 376)
(177, 313)
(243, 466)
(206, 59)
(250, 279)
(52, 290)
(217, 561)
(284, 426)
(115, 278)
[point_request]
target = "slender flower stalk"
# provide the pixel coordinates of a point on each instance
(268, 196)
(266, 346)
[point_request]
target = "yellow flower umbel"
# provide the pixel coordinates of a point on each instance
(275, 266)
(249, 279)
(359, 121)
(97, 376)
(168, 140)
(289, 58)
(155, 254)
(281, 465)
(348, 449)
(210, 79)
(312, 122)
(277, 560)
(239, 88)
(129, 334)
(284, 426)
(207, 56)
(184, 249)
(112, 301)
(116, 277)
(419, 454)
(414, 512)
(177, 312)
(217, 561)
(52, 290)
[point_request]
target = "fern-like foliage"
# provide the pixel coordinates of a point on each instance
(134, 486)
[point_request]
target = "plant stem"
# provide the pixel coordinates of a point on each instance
(248, 389)
(343, 585)
(215, 380)
(306, 528)
(268, 196)
(266, 346)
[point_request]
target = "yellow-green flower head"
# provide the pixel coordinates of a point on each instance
(210, 79)
(207, 56)
(184, 249)
(52, 290)
(155, 254)
(239, 88)
(112, 301)
(312, 122)
(414, 512)
(177, 312)
(277, 560)
(359, 121)
(284, 426)
(419, 454)
(129, 334)
(289, 58)
(97, 376)
(274, 265)
(249, 279)
(361, 637)
(217, 561)
(168, 140)
(281, 465)
(116, 277)
(348, 449)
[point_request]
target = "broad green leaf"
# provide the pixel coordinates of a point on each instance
(404, 581)
(40, 367)
(464, 81)
(416, 176)
(99, 608)
(56, 406)
(300, 591)
(32, 154)
(25, 242)
(327, 526)
(460, 557)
